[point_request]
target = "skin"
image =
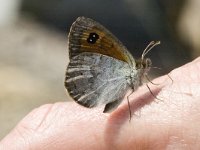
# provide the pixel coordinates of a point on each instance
(169, 122)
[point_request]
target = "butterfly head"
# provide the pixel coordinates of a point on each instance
(144, 64)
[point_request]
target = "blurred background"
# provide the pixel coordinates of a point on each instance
(33, 43)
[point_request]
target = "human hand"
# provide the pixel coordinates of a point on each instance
(170, 123)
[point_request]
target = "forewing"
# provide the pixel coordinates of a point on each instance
(95, 79)
(87, 35)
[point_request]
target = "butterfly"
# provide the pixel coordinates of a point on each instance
(101, 69)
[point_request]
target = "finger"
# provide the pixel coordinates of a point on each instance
(70, 126)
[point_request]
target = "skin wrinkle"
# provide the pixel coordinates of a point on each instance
(26, 129)
(37, 130)
(43, 120)
(19, 132)
(45, 110)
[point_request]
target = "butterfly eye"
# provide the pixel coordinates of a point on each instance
(93, 37)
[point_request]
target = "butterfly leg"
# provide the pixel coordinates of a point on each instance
(129, 106)
(146, 76)
(153, 93)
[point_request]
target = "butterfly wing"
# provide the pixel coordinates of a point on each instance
(99, 65)
(93, 79)
(87, 35)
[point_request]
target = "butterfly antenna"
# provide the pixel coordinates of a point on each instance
(151, 45)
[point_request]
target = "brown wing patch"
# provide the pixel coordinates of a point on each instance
(87, 35)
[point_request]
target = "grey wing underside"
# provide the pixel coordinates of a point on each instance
(93, 79)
